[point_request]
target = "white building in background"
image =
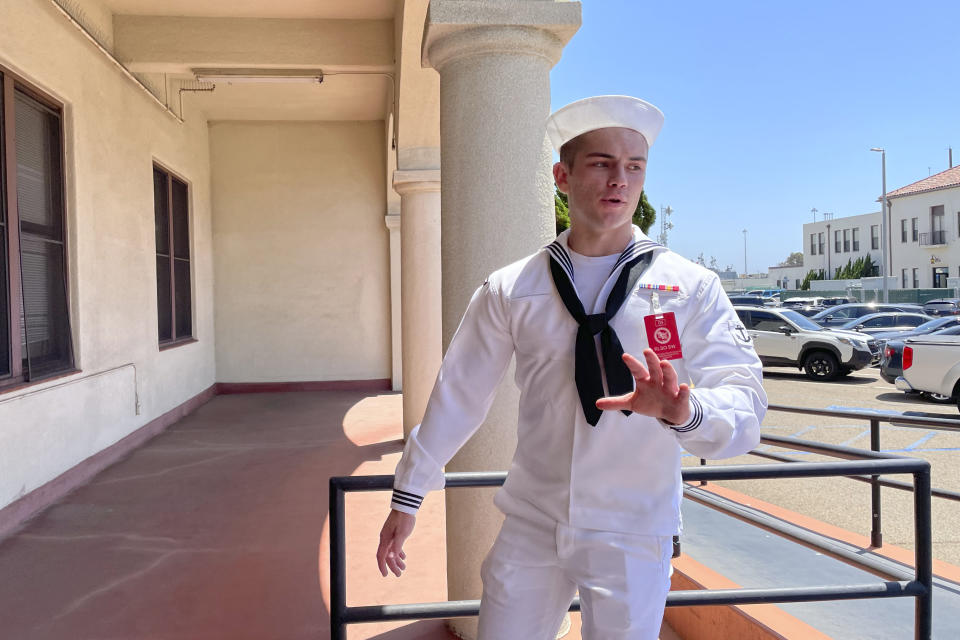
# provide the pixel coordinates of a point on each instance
(831, 243)
(925, 231)
(923, 235)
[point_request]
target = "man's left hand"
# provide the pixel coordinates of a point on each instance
(657, 391)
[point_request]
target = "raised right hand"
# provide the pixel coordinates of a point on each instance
(394, 533)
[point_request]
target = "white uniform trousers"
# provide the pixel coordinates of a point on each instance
(535, 567)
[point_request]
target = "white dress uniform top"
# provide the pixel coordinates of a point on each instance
(624, 474)
(588, 508)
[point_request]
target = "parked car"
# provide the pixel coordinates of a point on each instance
(750, 301)
(942, 307)
(874, 323)
(931, 326)
(802, 301)
(783, 337)
(891, 361)
(931, 364)
(835, 300)
(843, 313)
(808, 311)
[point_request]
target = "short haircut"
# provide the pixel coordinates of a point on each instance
(568, 151)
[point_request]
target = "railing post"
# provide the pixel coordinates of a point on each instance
(876, 533)
(703, 463)
(338, 563)
(924, 554)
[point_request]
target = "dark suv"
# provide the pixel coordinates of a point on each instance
(843, 313)
(942, 307)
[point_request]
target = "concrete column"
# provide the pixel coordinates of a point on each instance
(494, 61)
(392, 221)
(420, 288)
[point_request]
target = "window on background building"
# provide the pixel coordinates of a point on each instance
(836, 241)
(35, 339)
(846, 240)
(904, 283)
(172, 225)
(916, 278)
(813, 244)
(820, 243)
(914, 229)
(874, 236)
(903, 230)
(855, 236)
(937, 232)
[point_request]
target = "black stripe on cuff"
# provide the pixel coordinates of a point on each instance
(407, 499)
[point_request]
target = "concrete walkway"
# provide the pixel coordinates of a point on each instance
(216, 529)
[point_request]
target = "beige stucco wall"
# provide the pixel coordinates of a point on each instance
(113, 133)
(301, 251)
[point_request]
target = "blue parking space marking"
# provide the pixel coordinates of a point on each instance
(850, 441)
(921, 441)
(886, 412)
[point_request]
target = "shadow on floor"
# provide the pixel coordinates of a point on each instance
(208, 531)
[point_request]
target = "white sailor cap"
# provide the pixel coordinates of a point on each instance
(600, 112)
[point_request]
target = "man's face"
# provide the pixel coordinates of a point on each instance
(603, 186)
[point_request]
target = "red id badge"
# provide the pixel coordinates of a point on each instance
(663, 336)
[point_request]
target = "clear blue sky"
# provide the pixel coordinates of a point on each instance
(771, 108)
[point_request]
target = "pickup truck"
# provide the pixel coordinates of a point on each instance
(931, 364)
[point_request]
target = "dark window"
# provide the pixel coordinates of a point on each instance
(35, 339)
(904, 281)
(171, 217)
(916, 278)
(836, 241)
(813, 244)
(820, 243)
(879, 321)
(914, 228)
(874, 236)
(766, 321)
(856, 239)
(903, 230)
(940, 277)
(846, 240)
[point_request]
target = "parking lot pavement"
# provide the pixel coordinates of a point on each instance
(844, 502)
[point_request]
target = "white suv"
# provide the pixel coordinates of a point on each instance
(783, 337)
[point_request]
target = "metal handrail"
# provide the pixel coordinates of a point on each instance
(919, 587)
(875, 418)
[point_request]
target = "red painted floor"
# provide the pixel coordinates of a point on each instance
(216, 529)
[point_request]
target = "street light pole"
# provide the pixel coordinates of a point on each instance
(745, 272)
(883, 224)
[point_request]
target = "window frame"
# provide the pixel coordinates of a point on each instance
(874, 237)
(914, 229)
(846, 240)
(813, 244)
(903, 230)
(836, 241)
(855, 239)
(12, 83)
(170, 176)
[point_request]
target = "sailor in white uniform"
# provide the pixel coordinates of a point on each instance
(626, 353)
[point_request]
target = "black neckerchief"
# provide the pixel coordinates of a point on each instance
(635, 259)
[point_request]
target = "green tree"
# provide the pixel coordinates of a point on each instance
(795, 259)
(562, 210)
(643, 216)
(811, 275)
